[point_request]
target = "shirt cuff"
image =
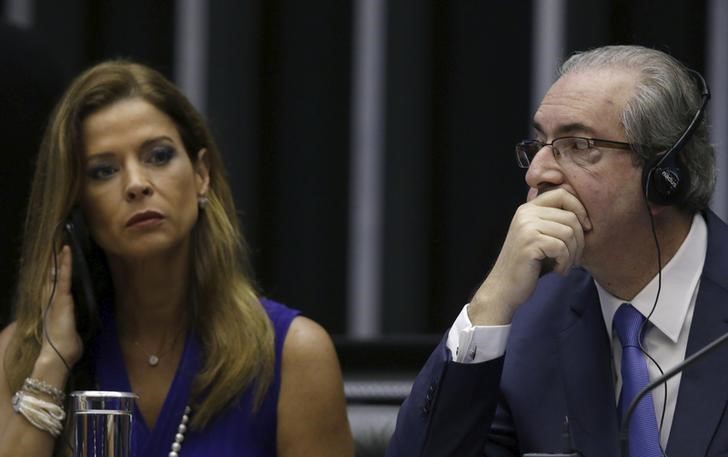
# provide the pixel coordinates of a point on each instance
(470, 343)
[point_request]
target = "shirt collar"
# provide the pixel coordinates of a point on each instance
(680, 278)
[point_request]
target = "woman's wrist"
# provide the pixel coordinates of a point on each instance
(50, 368)
(60, 354)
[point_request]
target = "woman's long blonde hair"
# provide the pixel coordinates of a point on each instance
(227, 316)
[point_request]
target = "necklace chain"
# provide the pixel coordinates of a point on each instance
(152, 358)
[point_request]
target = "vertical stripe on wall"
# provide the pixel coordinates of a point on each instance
(19, 12)
(549, 29)
(367, 144)
(717, 76)
(190, 50)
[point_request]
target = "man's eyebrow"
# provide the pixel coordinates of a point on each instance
(566, 129)
(574, 127)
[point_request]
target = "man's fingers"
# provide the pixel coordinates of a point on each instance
(564, 225)
(556, 238)
(560, 198)
(555, 222)
(559, 251)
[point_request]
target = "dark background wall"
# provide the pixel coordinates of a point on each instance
(278, 97)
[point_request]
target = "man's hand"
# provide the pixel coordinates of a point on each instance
(550, 228)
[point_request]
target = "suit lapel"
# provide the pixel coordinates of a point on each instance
(702, 394)
(587, 367)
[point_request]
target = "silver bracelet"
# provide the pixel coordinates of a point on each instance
(38, 386)
(42, 414)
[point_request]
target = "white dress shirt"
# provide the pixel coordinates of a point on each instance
(665, 340)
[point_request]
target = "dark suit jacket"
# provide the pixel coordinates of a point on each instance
(558, 363)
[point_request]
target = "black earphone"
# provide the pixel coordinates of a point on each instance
(663, 179)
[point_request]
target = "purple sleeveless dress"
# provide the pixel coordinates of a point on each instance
(236, 431)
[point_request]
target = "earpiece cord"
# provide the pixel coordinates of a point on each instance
(48, 337)
(652, 310)
(48, 307)
(676, 147)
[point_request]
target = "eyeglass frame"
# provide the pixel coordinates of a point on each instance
(525, 162)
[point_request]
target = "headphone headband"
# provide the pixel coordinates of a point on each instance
(688, 132)
(662, 181)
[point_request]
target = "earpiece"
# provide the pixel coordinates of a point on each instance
(663, 179)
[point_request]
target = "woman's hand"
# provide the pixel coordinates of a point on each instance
(59, 320)
(60, 329)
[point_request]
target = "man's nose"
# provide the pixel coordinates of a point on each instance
(544, 169)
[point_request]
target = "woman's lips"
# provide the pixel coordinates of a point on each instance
(144, 218)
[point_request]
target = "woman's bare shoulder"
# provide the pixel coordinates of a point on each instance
(311, 407)
(305, 337)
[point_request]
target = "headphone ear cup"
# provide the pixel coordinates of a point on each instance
(667, 181)
(664, 180)
(663, 185)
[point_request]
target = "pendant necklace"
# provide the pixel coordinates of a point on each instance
(153, 359)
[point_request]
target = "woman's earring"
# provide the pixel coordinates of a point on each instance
(202, 202)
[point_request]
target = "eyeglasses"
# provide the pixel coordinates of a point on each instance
(581, 151)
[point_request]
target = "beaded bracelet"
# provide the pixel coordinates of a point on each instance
(38, 386)
(44, 415)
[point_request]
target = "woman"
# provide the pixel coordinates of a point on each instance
(179, 321)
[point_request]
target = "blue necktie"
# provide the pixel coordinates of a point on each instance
(644, 440)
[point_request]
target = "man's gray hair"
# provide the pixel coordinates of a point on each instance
(664, 101)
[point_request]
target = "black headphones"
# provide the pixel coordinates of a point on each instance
(663, 179)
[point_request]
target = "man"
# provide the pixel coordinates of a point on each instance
(533, 354)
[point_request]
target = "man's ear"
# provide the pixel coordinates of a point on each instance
(656, 210)
(202, 172)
